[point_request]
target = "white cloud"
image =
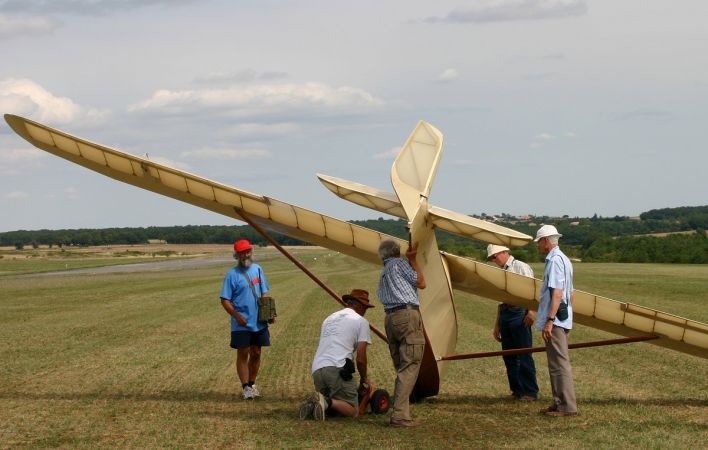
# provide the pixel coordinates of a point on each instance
(20, 155)
(308, 99)
(16, 161)
(15, 195)
(545, 136)
(388, 154)
(448, 75)
(14, 26)
(227, 153)
(242, 76)
(71, 193)
(542, 138)
(512, 10)
(245, 130)
(169, 163)
(27, 98)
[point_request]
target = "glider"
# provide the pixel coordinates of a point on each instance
(412, 176)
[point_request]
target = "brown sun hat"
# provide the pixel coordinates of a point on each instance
(360, 296)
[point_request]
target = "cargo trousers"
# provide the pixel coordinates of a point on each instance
(406, 341)
(560, 371)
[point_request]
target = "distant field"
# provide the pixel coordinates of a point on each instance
(141, 360)
(45, 259)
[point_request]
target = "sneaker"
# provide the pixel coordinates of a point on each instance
(306, 409)
(255, 391)
(248, 393)
(319, 405)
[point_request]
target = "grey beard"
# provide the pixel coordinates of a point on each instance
(246, 263)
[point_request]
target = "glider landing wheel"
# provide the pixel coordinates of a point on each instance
(380, 401)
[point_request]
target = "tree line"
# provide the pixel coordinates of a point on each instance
(614, 239)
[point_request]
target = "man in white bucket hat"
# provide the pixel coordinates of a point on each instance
(513, 329)
(555, 313)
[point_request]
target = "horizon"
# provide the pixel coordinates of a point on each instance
(239, 223)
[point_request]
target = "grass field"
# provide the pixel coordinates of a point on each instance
(141, 360)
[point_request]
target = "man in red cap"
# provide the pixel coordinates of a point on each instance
(343, 333)
(242, 287)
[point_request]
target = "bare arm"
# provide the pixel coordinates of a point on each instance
(232, 312)
(361, 362)
(411, 254)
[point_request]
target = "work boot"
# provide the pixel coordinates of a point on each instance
(403, 423)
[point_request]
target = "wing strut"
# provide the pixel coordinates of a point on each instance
(294, 260)
(519, 351)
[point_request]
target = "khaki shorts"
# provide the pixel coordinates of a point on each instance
(328, 378)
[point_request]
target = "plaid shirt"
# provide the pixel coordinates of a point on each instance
(397, 285)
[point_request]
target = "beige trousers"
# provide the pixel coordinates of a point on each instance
(406, 341)
(560, 371)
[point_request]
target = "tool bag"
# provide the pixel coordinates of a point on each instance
(266, 305)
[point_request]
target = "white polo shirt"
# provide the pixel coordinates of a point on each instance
(339, 336)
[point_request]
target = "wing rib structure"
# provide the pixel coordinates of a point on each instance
(412, 176)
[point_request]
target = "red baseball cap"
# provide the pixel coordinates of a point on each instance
(242, 245)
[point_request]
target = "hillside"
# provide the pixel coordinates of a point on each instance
(668, 235)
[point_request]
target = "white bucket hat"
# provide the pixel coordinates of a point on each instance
(545, 231)
(494, 249)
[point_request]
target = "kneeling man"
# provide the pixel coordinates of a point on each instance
(343, 333)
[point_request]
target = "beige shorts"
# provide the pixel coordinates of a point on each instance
(328, 378)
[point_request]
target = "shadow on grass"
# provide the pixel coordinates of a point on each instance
(170, 396)
(224, 397)
(608, 401)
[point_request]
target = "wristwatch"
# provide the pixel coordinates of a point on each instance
(552, 319)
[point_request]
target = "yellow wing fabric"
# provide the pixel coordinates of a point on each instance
(444, 219)
(284, 218)
(626, 319)
(678, 333)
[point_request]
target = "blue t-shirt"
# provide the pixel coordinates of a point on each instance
(237, 291)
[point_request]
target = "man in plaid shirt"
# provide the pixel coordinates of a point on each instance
(400, 279)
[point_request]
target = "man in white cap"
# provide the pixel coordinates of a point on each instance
(513, 329)
(555, 313)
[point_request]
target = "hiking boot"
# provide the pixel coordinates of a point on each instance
(403, 423)
(248, 393)
(255, 391)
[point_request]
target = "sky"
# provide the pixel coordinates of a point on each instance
(548, 107)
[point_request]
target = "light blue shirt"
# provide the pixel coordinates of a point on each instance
(237, 291)
(557, 274)
(398, 284)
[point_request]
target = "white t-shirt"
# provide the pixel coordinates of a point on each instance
(340, 334)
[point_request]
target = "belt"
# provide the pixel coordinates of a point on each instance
(404, 306)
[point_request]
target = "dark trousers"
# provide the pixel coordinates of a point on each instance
(520, 369)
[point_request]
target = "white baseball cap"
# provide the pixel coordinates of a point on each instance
(545, 231)
(494, 249)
